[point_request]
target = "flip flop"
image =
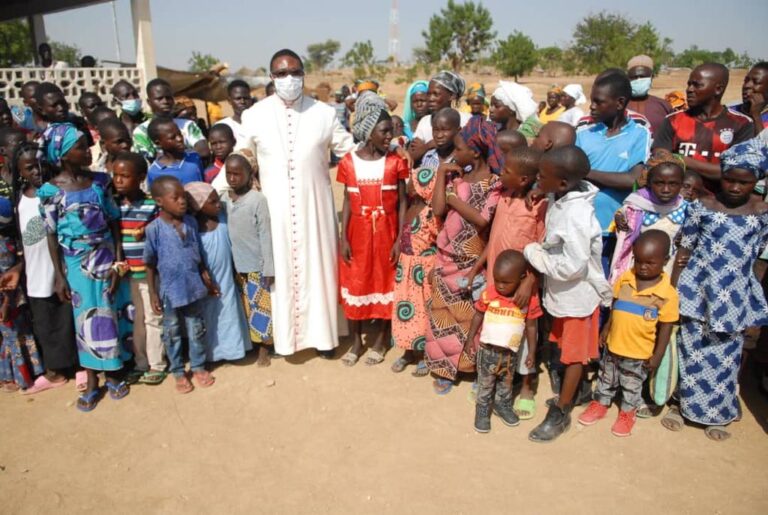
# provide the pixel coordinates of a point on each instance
(183, 384)
(152, 378)
(374, 358)
(673, 420)
(525, 406)
(350, 359)
(119, 390)
(81, 380)
(42, 384)
(711, 431)
(422, 370)
(442, 386)
(400, 364)
(88, 401)
(204, 378)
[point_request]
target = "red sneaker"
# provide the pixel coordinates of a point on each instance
(624, 423)
(594, 412)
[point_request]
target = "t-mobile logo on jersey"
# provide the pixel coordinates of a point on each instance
(687, 149)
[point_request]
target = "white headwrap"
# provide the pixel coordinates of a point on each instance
(518, 98)
(574, 91)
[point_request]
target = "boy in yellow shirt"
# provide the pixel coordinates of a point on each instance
(644, 308)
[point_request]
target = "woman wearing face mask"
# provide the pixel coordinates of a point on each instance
(126, 96)
(655, 109)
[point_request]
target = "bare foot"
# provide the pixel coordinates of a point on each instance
(263, 360)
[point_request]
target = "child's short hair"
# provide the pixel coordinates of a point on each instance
(510, 259)
(527, 160)
(153, 129)
(6, 133)
(513, 138)
(122, 83)
(161, 185)
(570, 163)
(654, 237)
(448, 114)
(100, 113)
(113, 125)
(45, 88)
(154, 83)
(237, 83)
(224, 128)
(136, 160)
(692, 174)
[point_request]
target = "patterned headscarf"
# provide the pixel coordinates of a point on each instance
(475, 89)
(450, 81)
(661, 156)
(369, 110)
(518, 98)
(199, 192)
(751, 155)
(420, 86)
(555, 89)
(59, 139)
(367, 85)
(480, 136)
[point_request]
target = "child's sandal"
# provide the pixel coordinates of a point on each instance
(88, 400)
(119, 390)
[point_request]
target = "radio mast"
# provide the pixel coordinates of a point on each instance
(394, 33)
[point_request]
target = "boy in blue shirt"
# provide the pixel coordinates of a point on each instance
(174, 160)
(172, 255)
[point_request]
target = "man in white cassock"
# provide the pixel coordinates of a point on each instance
(293, 134)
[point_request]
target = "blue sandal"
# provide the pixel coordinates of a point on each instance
(118, 390)
(88, 400)
(442, 386)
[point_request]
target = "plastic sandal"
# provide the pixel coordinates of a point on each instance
(422, 370)
(442, 386)
(88, 401)
(42, 384)
(119, 390)
(527, 406)
(374, 358)
(350, 359)
(81, 380)
(399, 365)
(152, 378)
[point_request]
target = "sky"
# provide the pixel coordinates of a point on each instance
(248, 32)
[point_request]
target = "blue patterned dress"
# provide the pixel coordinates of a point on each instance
(80, 219)
(720, 297)
(19, 356)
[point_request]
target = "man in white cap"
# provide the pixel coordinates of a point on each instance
(640, 73)
(573, 96)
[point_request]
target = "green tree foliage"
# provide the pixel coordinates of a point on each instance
(320, 55)
(550, 59)
(200, 62)
(459, 33)
(70, 54)
(607, 40)
(694, 56)
(363, 62)
(15, 43)
(516, 55)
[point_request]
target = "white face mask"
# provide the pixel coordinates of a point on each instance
(289, 88)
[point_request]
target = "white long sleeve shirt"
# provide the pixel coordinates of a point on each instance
(569, 258)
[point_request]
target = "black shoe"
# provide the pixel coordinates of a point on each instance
(506, 414)
(482, 418)
(555, 423)
(556, 381)
(584, 395)
(325, 354)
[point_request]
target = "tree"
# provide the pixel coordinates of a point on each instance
(200, 62)
(609, 40)
(694, 56)
(15, 43)
(460, 33)
(70, 54)
(550, 59)
(516, 55)
(321, 55)
(361, 58)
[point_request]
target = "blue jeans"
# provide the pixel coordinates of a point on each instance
(191, 316)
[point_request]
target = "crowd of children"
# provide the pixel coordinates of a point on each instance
(484, 241)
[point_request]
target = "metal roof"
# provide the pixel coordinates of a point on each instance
(11, 9)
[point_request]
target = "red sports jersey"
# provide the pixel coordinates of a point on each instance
(686, 135)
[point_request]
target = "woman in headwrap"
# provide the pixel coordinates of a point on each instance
(445, 90)
(513, 108)
(720, 295)
(226, 330)
(468, 202)
(572, 97)
(374, 204)
(81, 220)
(553, 109)
(415, 107)
(476, 100)
(658, 205)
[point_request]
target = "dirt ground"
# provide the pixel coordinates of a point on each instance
(313, 436)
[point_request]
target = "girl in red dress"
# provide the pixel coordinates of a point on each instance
(374, 204)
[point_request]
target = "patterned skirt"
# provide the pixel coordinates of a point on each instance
(709, 370)
(257, 303)
(412, 291)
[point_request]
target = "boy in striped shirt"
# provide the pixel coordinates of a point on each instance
(137, 210)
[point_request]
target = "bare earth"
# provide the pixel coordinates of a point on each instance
(312, 436)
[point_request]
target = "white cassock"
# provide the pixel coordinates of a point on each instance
(292, 146)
